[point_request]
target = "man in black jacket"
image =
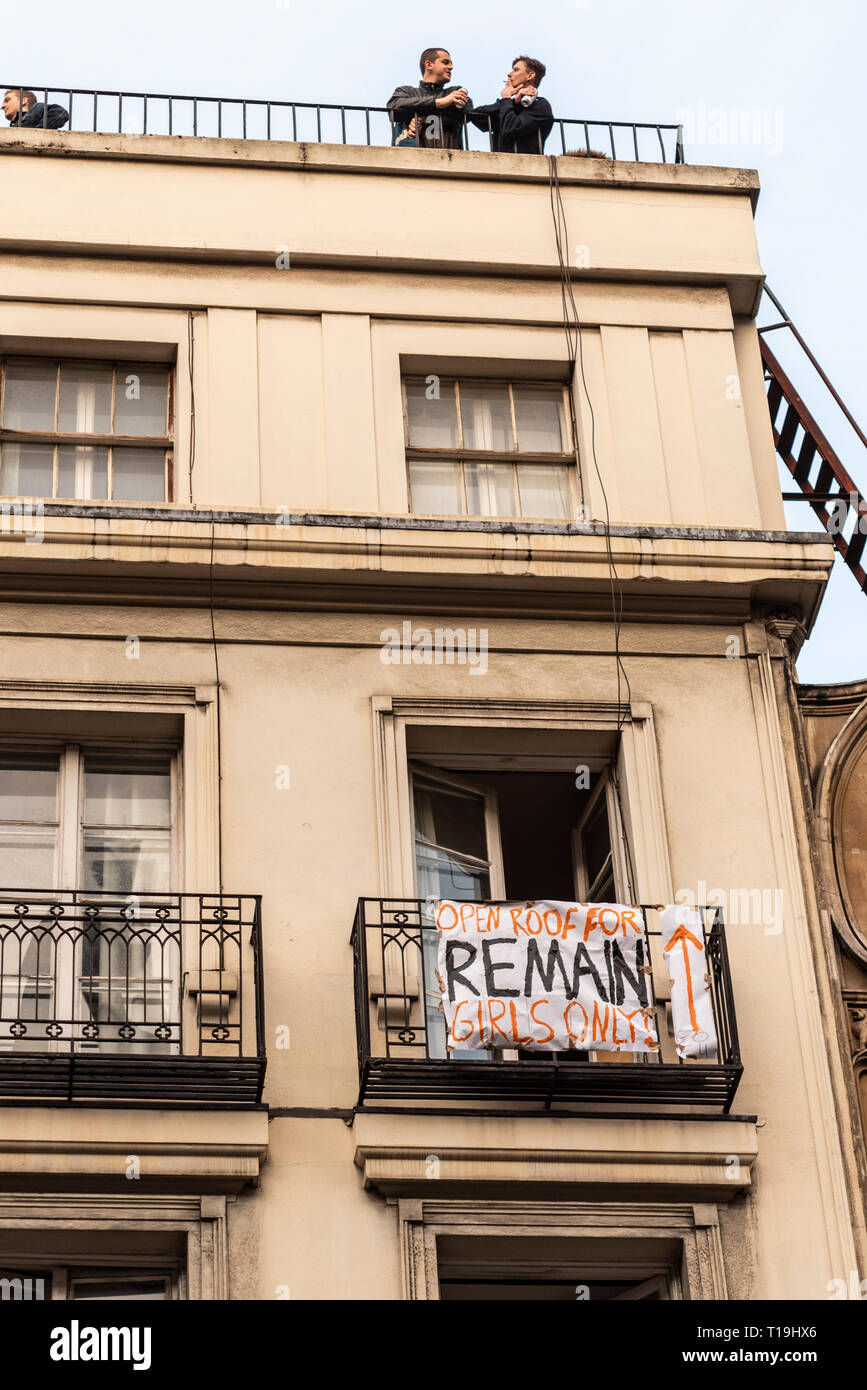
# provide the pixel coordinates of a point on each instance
(521, 121)
(21, 108)
(442, 109)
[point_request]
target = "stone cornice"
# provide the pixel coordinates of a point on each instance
(313, 157)
(839, 699)
(710, 1161)
(406, 565)
(211, 1151)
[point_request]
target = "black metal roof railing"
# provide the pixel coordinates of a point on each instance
(238, 118)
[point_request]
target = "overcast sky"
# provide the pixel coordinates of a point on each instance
(799, 64)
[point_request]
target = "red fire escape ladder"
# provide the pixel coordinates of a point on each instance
(814, 465)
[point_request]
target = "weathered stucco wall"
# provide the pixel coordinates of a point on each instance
(286, 545)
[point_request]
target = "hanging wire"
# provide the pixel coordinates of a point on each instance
(219, 714)
(191, 367)
(190, 364)
(575, 349)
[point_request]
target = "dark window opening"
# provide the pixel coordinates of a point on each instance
(538, 812)
(542, 1290)
(556, 1269)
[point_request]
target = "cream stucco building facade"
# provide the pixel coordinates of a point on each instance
(271, 403)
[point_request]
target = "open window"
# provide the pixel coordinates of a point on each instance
(517, 835)
(528, 801)
(457, 836)
(601, 866)
(503, 825)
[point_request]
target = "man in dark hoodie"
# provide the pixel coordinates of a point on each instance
(442, 109)
(521, 121)
(21, 108)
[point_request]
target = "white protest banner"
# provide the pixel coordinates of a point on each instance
(691, 1008)
(554, 976)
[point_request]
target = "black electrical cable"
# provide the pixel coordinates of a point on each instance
(575, 349)
(219, 717)
(192, 464)
(190, 355)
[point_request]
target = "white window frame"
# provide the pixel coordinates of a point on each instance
(55, 439)
(638, 775)
(69, 859)
(194, 708)
(488, 797)
(485, 794)
(604, 790)
(698, 1273)
(81, 1220)
(566, 458)
(70, 823)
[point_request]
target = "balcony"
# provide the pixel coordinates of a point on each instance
(152, 997)
(403, 1062)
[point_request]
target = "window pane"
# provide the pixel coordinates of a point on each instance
(35, 958)
(29, 391)
(120, 796)
(447, 820)
(137, 862)
(442, 875)
(490, 489)
(435, 487)
(596, 841)
(541, 422)
(487, 418)
(85, 399)
(139, 475)
(26, 470)
(544, 491)
(82, 471)
(27, 857)
(28, 789)
(602, 890)
(451, 819)
(433, 424)
(141, 400)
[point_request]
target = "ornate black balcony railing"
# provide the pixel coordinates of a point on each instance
(124, 998)
(402, 1057)
(244, 118)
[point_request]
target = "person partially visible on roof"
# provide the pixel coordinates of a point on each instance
(21, 108)
(521, 121)
(442, 109)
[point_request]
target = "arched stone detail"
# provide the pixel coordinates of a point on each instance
(842, 780)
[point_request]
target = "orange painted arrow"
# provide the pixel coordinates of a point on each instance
(682, 935)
